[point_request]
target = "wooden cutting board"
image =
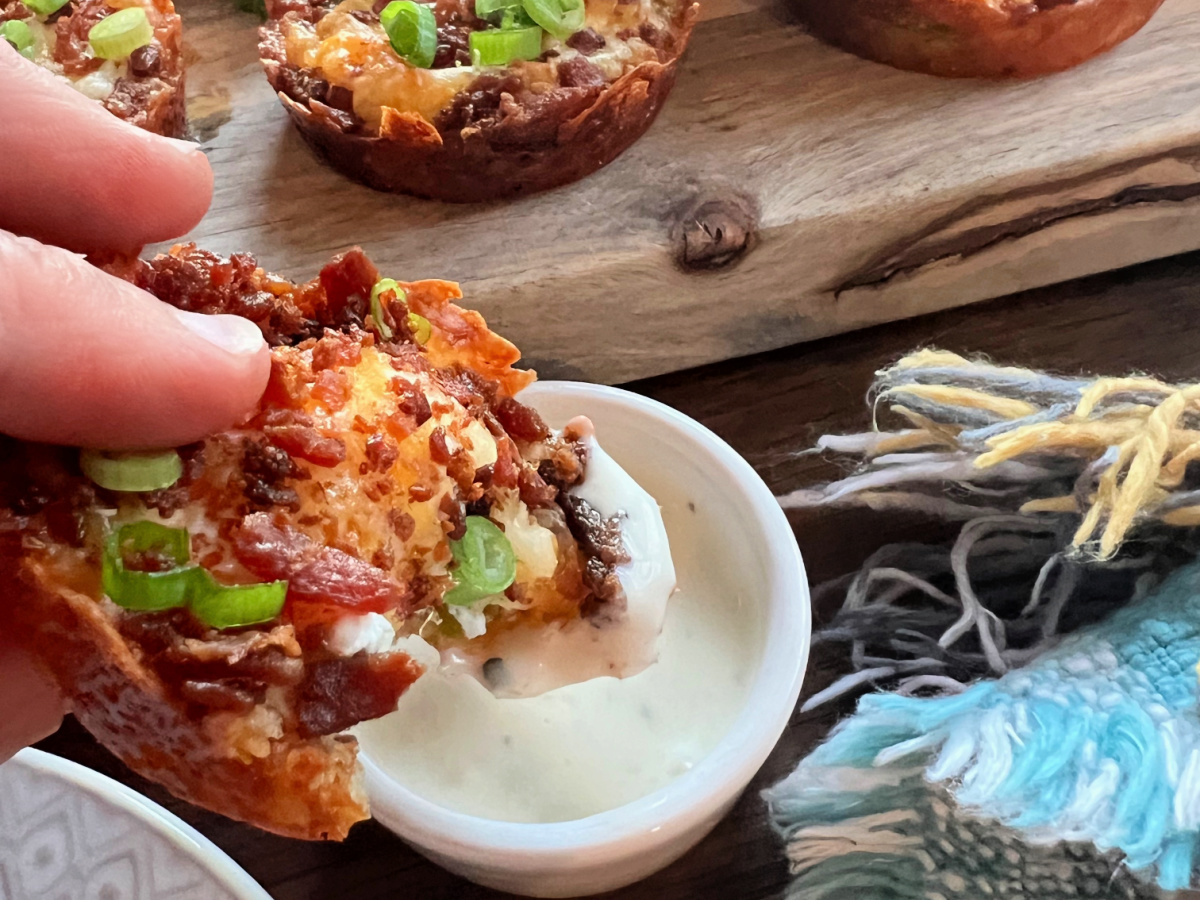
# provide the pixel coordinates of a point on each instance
(856, 194)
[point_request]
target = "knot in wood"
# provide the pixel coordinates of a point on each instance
(715, 233)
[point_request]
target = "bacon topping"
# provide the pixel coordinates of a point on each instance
(336, 350)
(293, 431)
(520, 421)
(586, 41)
(381, 454)
(266, 469)
(332, 389)
(347, 283)
(339, 693)
(403, 524)
(71, 47)
(315, 574)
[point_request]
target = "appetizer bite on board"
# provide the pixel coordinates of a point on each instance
(221, 613)
(978, 38)
(469, 100)
(127, 54)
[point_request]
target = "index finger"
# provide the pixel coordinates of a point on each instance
(75, 175)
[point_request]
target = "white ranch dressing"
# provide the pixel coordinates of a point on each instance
(539, 660)
(597, 744)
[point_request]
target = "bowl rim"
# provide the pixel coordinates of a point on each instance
(148, 815)
(719, 776)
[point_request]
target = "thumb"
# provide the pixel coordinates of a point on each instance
(30, 706)
(89, 360)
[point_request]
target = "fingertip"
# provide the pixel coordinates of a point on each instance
(192, 184)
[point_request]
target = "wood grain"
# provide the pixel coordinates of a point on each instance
(872, 194)
(770, 408)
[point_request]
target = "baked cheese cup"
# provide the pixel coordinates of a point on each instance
(470, 100)
(978, 38)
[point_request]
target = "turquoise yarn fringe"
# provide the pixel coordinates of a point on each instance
(1096, 741)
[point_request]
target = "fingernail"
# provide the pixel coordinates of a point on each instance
(232, 334)
(185, 147)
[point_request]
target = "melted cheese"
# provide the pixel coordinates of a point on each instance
(358, 57)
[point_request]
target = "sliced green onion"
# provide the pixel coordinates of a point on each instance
(515, 18)
(46, 7)
(421, 330)
(500, 47)
(562, 18)
(118, 35)
(485, 9)
(148, 591)
(485, 563)
(382, 286)
(131, 472)
(150, 537)
(412, 29)
(233, 606)
(19, 35)
(184, 584)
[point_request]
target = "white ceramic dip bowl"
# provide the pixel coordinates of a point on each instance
(727, 534)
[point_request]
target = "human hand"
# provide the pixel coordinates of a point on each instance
(87, 359)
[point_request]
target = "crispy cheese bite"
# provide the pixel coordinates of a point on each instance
(126, 54)
(221, 613)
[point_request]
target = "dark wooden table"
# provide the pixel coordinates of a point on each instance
(768, 407)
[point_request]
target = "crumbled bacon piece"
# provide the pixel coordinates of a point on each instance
(293, 431)
(199, 281)
(520, 421)
(535, 492)
(653, 35)
(507, 467)
(347, 283)
(453, 515)
(266, 470)
(222, 695)
(412, 411)
(315, 574)
(600, 540)
(587, 41)
(332, 389)
(580, 72)
(339, 693)
(403, 524)
(71, 47)
(146, 62)
(439, 450)
(381, 453)
(336, 350)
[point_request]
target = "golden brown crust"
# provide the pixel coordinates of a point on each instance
(462, 336)
(974, 38)
(479, 163)
(306, 789)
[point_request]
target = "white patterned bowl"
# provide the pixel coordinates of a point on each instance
(685, 467)
(69, 832)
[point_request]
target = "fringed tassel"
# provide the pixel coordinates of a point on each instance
(1097, 741)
